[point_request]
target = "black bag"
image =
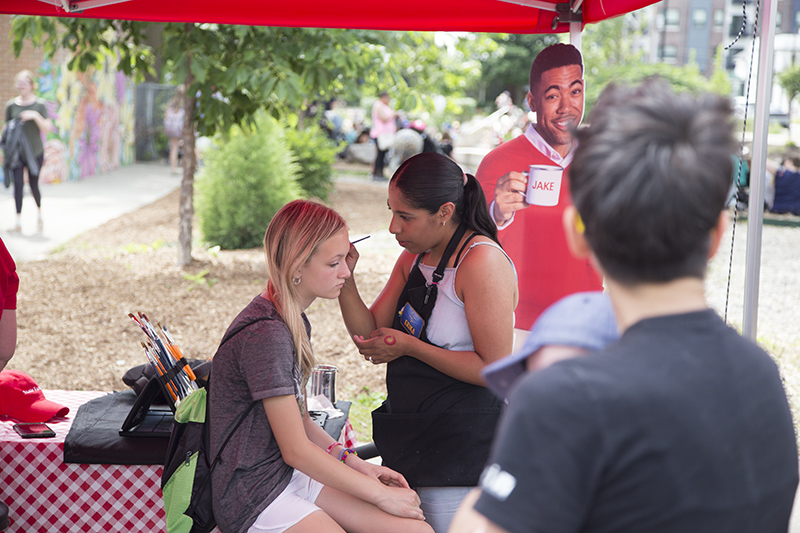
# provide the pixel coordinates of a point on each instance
(186, 481)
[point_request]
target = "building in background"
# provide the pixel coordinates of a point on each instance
(689, 30)
(684, 31)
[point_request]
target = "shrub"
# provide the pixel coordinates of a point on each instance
(243, 184)
(315, 152)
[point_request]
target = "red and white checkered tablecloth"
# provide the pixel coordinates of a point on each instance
(45, 495)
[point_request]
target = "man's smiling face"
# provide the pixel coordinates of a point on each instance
(558, 102)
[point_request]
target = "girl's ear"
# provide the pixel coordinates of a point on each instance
(574, 232)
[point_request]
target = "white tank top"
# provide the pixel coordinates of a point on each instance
(447, 326)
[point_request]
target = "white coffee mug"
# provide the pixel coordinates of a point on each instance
(544, 185)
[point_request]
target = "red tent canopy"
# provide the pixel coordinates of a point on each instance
(508, 16)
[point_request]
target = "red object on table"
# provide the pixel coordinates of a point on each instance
(45, 494)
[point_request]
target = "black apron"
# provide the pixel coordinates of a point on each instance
(434, 429)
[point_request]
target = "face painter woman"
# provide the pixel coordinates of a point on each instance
(445, 313)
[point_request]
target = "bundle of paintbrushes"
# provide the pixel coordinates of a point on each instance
(165, 356)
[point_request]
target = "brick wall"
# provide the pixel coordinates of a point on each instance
(30, 59)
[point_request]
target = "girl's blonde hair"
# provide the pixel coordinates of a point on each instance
(294, 234)
(26, 74)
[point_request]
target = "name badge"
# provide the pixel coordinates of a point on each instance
(411, 321)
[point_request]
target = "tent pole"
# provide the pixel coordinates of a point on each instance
(575, 34)
(755, 211)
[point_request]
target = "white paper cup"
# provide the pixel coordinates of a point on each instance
(544, 185)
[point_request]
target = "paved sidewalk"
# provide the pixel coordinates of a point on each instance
(71, 208)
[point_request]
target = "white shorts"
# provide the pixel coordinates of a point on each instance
(292, 505)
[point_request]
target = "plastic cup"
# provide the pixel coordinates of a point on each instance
(323, 381)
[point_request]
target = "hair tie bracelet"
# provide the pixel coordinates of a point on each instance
(347, 452)
(332, 446)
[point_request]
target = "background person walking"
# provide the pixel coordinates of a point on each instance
(31, 114)
(383, 130)
(173, 126)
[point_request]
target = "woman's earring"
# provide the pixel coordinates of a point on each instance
(296, 280)
(444, 222)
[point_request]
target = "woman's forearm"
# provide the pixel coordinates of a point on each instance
(461, 365)
(357, 317)
(45, 125)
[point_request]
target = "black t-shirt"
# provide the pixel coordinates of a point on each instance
(682, 426)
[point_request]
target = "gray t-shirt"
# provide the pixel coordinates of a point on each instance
(256, 363)
(30, 128)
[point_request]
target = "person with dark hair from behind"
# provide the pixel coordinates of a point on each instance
(437, 423)
(682, 425)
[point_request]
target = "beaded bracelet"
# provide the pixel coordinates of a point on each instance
(346, 452)
(332, 446)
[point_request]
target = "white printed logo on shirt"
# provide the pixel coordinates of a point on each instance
(497, 483)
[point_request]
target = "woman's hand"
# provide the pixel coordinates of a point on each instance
(384, 345)
(29, 114)
(45, 125)
(352, 258)
(385, 475)
(400, 502)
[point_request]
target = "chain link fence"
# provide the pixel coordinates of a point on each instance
(151, 101)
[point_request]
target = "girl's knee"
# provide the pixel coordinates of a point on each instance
(420, 526)
(316, 522)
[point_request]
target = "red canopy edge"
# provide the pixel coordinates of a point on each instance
(414, 15)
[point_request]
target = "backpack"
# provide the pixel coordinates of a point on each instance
(186, 480)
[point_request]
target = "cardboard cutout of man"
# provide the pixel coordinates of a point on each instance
(532, 234)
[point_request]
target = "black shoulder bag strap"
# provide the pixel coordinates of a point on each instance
(438, 274)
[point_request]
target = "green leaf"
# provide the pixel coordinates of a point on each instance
(198, 71)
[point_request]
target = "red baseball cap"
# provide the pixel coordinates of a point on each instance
(21, 398)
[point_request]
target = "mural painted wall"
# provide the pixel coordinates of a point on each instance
(94, 116)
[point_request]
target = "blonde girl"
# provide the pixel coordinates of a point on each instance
(281, 471)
